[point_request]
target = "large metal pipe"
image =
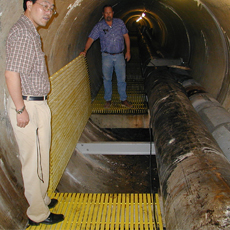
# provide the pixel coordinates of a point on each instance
(212, 113)
(194, 174)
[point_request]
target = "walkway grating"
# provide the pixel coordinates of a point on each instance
(92, 211)
(135, 93)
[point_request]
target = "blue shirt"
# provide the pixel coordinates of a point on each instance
(111, 37)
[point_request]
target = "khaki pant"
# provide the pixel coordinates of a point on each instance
(34, 146)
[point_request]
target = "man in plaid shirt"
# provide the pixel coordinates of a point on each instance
(28, 85)
(112, 33)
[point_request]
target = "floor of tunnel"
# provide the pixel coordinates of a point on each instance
(93, 173)
(110, 174)
(133, 134)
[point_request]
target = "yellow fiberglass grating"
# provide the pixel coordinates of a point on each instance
(70, 105)
(135, 93)
(106, 211)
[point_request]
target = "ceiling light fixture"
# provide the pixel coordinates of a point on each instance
(141, 17)
(138, 19)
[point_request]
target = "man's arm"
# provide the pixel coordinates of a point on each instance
(13, 83)
(87, 46)
(127, 43)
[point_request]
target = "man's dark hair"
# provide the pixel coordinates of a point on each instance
(105, 7)
(24, 3)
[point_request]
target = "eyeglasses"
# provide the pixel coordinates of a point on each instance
(47, 8)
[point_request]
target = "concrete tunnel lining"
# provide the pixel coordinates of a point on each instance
(183, 26)
(196, 30)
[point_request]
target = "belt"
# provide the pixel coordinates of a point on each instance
(112, 53)
(34, 98)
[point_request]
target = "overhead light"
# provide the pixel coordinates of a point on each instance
(138, 19)
(141, 17)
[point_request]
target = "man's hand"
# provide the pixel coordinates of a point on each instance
(83, 53)
(127, 43)
(127, 56)
(87, 46)
(23, 119)
(13, 83)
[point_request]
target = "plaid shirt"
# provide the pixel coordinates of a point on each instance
(111, 38)
(24, 56)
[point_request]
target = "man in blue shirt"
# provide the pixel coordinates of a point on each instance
(112, 33)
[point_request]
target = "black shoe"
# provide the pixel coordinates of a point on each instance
(53, 203)
(52, 219)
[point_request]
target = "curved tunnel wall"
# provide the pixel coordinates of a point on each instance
(198, 31)
(192, 30)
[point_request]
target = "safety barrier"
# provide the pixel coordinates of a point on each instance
(70, 104)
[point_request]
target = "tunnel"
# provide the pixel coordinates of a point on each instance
(195, 31)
